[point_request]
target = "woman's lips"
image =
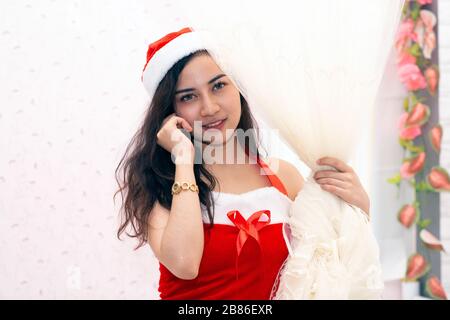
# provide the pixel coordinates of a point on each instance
(215, 125)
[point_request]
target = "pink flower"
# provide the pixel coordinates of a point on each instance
(430, 240)
(435, 136)
(424, 2)
(405, 57)
(438, 179)
(407, 215)
(411, 76)
(435, 289)
(418, 266)
(413, 166)
(408, 133)
(418, 116)
(405, 34)
(426, 38)
(432, 78)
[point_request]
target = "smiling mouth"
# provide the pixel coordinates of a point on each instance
(215, 125)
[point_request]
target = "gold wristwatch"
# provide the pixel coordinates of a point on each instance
(177, 187)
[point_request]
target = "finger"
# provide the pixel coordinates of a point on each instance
(168, 118)
(189, 125)
(334, 182)
(336, 163)
(185, 124)
(344, 176)
(341, 193)
(180, 122)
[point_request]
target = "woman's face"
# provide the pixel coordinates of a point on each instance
(204, 93)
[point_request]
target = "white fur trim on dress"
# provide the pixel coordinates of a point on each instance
(267, 198)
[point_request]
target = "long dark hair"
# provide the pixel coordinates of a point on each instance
(147, 169)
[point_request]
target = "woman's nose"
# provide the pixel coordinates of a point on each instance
(209, 107)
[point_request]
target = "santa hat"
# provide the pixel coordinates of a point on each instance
(164, 53)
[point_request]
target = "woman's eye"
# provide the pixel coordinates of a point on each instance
(183, 97)
(221, 84)
(187, 97)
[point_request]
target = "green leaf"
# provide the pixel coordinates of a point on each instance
(424, 223)
(418, 212)
(413, 98)
(424, 186)
(415, 11)
(406, 104)
(405, 143)
(409, 145)
(421, 62)
(405, 9)
(415, 50)
(419, 186)
(395, 179)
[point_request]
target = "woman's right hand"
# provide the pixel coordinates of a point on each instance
(173, 140)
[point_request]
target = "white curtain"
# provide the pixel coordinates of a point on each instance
(312, 70)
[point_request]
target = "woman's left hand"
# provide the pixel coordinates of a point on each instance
(344, 183)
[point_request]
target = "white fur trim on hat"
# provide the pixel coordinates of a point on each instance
(166, 57)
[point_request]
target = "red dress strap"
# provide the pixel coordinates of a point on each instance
(274, 180)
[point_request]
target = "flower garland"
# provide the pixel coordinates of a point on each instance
(415, 43)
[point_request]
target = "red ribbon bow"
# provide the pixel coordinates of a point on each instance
(247, 228)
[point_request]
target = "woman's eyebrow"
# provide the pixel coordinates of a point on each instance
(209, 82)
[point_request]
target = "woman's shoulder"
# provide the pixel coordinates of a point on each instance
(288, 174)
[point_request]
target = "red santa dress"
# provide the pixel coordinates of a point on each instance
(243, 251)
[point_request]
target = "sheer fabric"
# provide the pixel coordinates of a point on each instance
(311, 69)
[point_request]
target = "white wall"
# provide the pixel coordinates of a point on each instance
(70, 100)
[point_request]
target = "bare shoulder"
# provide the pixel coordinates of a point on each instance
(288, 174)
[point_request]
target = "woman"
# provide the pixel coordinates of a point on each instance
(214, 223)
